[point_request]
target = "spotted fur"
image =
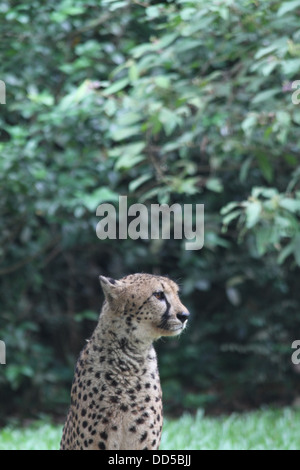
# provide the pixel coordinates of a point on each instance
(116, 400)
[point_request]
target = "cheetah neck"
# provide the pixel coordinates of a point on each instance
(119, 351)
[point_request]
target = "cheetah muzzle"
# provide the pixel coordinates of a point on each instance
(116, 399)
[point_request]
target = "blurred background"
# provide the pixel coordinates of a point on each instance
(183, 101)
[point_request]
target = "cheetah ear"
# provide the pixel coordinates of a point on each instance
(111, 287)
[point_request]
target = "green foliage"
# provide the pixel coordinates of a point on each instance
(184, 101)
(273, 218)
(260, 430)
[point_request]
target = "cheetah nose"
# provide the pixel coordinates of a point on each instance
(183, 316)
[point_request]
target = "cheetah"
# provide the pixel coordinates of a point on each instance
(116, 398)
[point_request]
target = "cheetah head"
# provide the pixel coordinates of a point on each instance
(147, 304)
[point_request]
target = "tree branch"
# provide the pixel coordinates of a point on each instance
(20, 264)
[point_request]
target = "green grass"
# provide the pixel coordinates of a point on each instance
(266, 429)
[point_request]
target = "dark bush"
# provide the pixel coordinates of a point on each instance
(185, 101)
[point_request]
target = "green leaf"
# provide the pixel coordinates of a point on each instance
(265, 51)
(245, 168)
(229, 207)
(283, 118)
(165, 41)
(140, 50)
(292, 205)
(290, 67)
(86, 315)
(169, 120)
(249, 123)
(214, 184)
(128, 118)
(253, 211)
(263, 236)
(130, 150)
(296, 251)
(288, 6)
(153, 11)
(269, 67)
(162, 81)
(125, 133)
(133, 72)
(117, 5)
(187, 185)
(135, 184)
(229, 218)
(265, 192)
(265, 166)
(280, 45)
(92, 201)
(116, 86)
(151, 194)
(296, 117)
(285, 253)
(128, 161)
(265, 95)
(76, 96)
(291, 159)
(42, 98)
(224, 13)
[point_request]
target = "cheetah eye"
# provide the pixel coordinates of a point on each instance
(159, 295)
